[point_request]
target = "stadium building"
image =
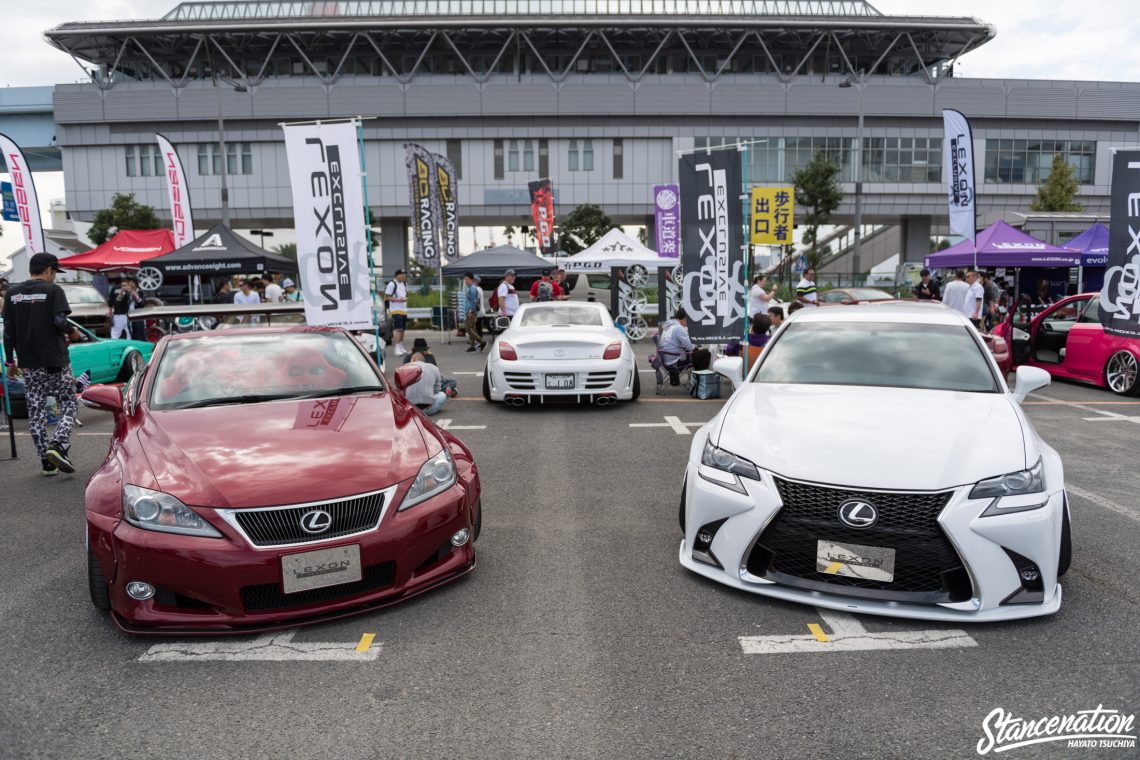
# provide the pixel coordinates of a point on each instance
(600, 95)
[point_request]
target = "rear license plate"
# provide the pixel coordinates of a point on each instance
(327, 567)
(557, 382)
(872, 563)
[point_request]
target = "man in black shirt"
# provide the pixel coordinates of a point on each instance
(37, 332)
(224, 294)
(927, 289)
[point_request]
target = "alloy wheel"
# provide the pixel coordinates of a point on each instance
(1121, 372)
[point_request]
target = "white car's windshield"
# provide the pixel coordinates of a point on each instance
(936, 357)
(562, 315)
(77, 294)
(236, 367)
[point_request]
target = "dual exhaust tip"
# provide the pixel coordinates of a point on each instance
(598, 400)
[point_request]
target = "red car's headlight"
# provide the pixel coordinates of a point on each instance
(158, 511)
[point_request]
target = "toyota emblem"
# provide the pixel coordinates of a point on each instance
(857, 513)
(316, 521)
(559, 352)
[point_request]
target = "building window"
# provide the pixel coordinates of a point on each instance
(902, 159)
(619, 158)
(513, 156)
(246, 158)
(455, 156)
(581, 155)
(528, 155)
(573, 155)
(544, 158)
(498, 159)
(132, 167)
(587, 155)
(146, 165)
(203, 159)
(1029, 162)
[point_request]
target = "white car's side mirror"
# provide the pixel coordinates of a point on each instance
(502, 323)
(731, 367)
(1029, 379)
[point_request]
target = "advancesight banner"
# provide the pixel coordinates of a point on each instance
(425, 201)
(1120, 296)
(712, 236)
(447, 207)
(328, 213)
(542, 210)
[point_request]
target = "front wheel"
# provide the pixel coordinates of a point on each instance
(133, 362)
(636, 385)
(96, 583)
(1122, 374)
(1065, 557)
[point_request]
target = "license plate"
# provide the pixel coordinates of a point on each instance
(556, 382)
(873, 563)
(327, 567)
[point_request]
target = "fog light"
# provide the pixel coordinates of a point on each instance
(702, 546)
(460, 538)
(1030, 574)
(139, 590)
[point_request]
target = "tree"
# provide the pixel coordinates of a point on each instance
(288, 250)
(583, 227)
(125, 214)
(509, 231)
(643, 235)
(818, 194)
(1059, 191)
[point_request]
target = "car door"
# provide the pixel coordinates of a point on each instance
(95, 355)
(1085, 351)
(1051, 332)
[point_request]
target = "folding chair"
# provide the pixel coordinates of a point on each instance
(683, 366)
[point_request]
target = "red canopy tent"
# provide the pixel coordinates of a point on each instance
(126, 250)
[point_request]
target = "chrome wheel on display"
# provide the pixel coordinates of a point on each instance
(678, 274)
(1121, 373)
(638, 303)
(150, 278)
(636, 328)
(637, 276)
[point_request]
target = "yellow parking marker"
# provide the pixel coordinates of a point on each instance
(817, 631)
(365, 642)
(833, 568)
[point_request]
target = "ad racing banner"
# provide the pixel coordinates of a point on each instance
(179, 192)
(24, 194)
(424, 199)
(667, 220)
(1120, 295)
(328, 213)
(542, 210)
(958, 157)
(447, 208)
(712, 232)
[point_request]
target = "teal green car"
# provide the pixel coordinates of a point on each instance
(108, 361)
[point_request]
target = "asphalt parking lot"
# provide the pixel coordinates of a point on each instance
(579, 635)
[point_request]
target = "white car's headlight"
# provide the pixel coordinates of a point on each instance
(155, 510)
(1012, 484)
(436, 476)
(733, 466)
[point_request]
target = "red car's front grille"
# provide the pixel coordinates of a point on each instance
(281, 526)
(269, 596)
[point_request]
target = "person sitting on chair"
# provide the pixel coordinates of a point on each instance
(675, 345)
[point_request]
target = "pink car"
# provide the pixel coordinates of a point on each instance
(1068, 341)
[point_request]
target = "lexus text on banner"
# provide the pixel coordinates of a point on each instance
(24, 193)
(421, 181)
(328, 211)
(667, 220)
(542, 211)
(447, 206)
(712, 222)
(179, 192)
(1120, 296)
(958, 157)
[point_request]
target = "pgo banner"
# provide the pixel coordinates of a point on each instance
(424, 198)
(24, 193)
(542, 210)
(958, 157)
(1120, 295)
(183, 219)
(667, 218)
(328, 213)
(447, 206)
(712, 231)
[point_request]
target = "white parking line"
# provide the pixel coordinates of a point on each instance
(1131, 513)
(680, 428)
(445, 424)
(849, 635)
(269, 647)
(475, 374)
(1102, 415)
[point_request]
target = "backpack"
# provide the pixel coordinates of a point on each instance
(493, 301)
(545, 291)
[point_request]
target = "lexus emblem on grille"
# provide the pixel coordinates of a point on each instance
(858, 514)
(316, 521)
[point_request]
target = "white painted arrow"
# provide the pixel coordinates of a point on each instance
(269, 647)
(849, 635)
(445, 424)
(680, 428)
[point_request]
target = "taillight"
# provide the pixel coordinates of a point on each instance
(613, 350)
(507, 352)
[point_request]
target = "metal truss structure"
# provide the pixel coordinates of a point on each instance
(248, 41)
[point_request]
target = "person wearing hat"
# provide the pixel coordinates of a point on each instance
(507, 295)
(396, 296)
(420, 346)
(292, 294)
(37, 331)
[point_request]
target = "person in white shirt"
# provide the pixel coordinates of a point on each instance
(396, 296)
(246, 294)
(760, 296)
(975, 300)
(273, 291)
(956, 293)
(427, 392)
(508, 296)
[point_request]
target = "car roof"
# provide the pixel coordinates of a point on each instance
(215, 309)
(561, 304)
(908, 312)
(238, 334)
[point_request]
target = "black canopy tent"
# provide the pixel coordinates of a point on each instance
(493, 262)
(220, 252)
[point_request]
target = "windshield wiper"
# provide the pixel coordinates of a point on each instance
(342, 391)
(222, 400)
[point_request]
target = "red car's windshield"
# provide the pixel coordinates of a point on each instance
(240, 368)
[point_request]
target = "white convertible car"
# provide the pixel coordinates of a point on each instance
(562, 351)
(875, 461)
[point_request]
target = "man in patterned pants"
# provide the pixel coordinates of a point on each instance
(37, 332)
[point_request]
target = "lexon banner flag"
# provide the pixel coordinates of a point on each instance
(958, 158)
(1120, 296)
(666, 220)
(24, 193)
(712, 232)
(424, 198)
(183, 220)
(447, 207)
(328, 211)
(542, 210)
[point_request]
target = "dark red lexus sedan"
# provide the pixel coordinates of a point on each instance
(268, 477)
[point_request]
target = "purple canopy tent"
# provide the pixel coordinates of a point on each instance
(1092, 244)
(1000, 245)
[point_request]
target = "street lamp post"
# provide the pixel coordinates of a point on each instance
(858, 80)
(222, 147)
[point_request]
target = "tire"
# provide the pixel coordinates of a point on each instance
(1122, 374)
(1065, 556)
(132, 362)
(97, 584)
(486, 384)
(478, 525)
(636, 384)
(681, 510)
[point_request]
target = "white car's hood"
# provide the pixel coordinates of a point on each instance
(889, 438)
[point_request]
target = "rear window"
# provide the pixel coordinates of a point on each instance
(83, 294)
(934, 357)
(563, 314)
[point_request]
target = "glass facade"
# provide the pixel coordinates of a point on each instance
(239, 158)
(143, 160)
(1029, 162)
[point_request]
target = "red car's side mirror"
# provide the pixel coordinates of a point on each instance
(107, 398)
(406, 376)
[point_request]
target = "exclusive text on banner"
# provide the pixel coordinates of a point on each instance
(773, 214)
(1120, 296)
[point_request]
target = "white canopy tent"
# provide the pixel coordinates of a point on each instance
(616, 249)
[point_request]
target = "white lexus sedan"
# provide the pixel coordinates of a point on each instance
(563, 351)
(874, 461)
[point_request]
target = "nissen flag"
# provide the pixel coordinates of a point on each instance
(958, 158)
(24, 192)
(182, 219)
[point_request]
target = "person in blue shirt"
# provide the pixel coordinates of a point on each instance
(475, 340)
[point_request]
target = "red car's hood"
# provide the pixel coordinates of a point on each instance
(282, 452)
